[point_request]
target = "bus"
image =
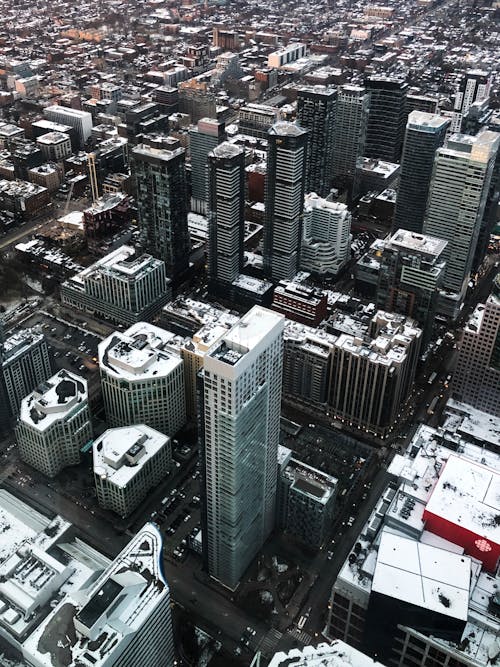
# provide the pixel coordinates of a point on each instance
(432, 377)
(432, 405)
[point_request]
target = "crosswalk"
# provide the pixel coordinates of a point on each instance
(301, 636)
(270, 642)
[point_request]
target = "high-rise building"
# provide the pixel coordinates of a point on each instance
(326, 236)
(142, 379)
(410, 276)
(349, 137)
(316, 113)
(129, 462)
(476, 380)
(162, 204)
(226, 213)
(240, 425)
(284, 200)
(122, 286)
(371, 377)
(473, 86)
(334, 654)
(54, 423)
(203, 138)
(425, 133)
(459, 187)
(25, 363)
(387, 118)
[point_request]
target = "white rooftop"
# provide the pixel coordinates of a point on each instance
(53, 399)
(467, 494)
(120, 453)
(430, 245)
(252, 328)
(336, 654)
(141, 352)
(423, 575)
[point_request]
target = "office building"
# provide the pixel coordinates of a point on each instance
(122, 287)
(203, 138)
(54, 423)
(65, 603)
(410, 277)
(55, 146)
(286, 55)
(25, 363)
(459, 187)
(142, 379)
(239, 437)
(418, 586)
(128, 463)
(306, 364)
(255, 120)
(374, 176)
(226, 213)
(162, 204)
(476, 379)
(473, 86)
(371, 376)
(326, 237)
(425, 103)
(305, 500)
(284, 200)
(387, 118)
(298, 302)
(80, 121)
(316, 113)
(425, 133)
(349, 136)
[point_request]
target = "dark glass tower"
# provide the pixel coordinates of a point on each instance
(425, 133)
(387, 118)
(161, 201)
(316, 113)
(284, 200)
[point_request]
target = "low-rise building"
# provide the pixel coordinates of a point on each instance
(54, 423)
(129, 462)
(298, 302)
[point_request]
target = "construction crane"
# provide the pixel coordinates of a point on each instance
(93, 177)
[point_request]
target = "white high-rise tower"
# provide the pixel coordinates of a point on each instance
(240, 424)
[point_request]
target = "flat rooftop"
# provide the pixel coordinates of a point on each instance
(423, 575)
(430, 245)
(467, 494)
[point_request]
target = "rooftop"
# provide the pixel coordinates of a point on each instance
(336, 654)
(429, 245)
(285, 129)
(120, 453)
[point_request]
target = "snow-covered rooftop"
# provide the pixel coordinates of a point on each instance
(336, 654)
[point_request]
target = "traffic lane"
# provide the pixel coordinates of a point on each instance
(215, 610)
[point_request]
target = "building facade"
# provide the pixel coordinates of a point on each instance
(162, 204)
(284, 200)
(425, 133)
(54, 424)
(128, 463)
(80, 121)
(316, 113)
(326, 236)
(142, 379)
(387, 118)
(240, 436)
(122, 287)
(476, 379)
(226, 213)
(349, 137)
(203, 138)
(457, 197)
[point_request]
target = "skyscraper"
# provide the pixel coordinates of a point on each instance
(326, 236)
(161, 202)
(387, 118)
(477, 374)
(226, 212)
(240, 437)
(425, 133)
(459, 186)
(411, 273)
(349, 137)
(316, 113)
(473, 86)
(284, 200)
(203, 138)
